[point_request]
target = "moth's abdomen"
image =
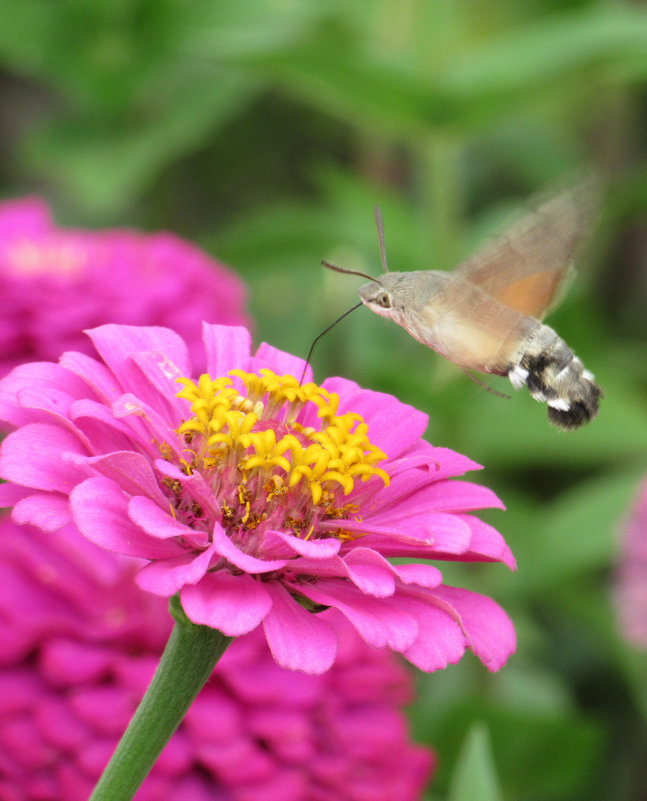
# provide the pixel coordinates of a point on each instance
(554, 374)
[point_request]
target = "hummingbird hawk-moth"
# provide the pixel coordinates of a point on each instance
(486, 314)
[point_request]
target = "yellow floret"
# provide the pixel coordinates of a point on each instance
(320, 461)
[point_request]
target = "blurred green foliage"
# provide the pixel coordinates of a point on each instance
(266, 131)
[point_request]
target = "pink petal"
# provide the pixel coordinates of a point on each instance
(459, 496)
(452, 464)
(227, 347)
(10, 494)
(487, 543)
(421, 575)
(434, 533)
(194, 485)
(132, 472)
(48, 512)
(56, 390)
(447, 533)
(100, 511)
(441, 638)
(216, 704)
(427, 495)
(298, 639)
(250, 564)
(155, 521)
(25, 217)
(365, 568)
(161, 371)
(166, 576)
(167, 355)
(417, 458)
(366, 526)
(379, 621)
(93, 374)
(234, 605)
(280, 362)
(56, 720)
(68, 663)
(31, 456)
(370, 572)
(438, 462)
(98, 423)
(146, 423)
(489, 631)
(288, 784)
(404, 486)
(313, 549)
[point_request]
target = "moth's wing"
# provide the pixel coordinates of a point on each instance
(529, 267)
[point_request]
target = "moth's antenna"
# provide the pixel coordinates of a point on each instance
(349, 272)
(317, 338)
(380, 235)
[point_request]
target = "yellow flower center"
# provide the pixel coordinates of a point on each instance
(263, 465)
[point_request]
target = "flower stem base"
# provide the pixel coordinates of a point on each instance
(188, 660)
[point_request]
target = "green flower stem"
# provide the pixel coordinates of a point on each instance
(190, 656)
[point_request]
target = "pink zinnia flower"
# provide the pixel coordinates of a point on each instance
(55, 282)
(258, 500)
(79, 644)
(631, 583)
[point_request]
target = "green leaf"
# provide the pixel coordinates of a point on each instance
(362, 91)
(544, 51)
(351, 75)
(107, 166)
(540, 754)
(475, 776)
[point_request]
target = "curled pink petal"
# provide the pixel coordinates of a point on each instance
(47, 511)
(31, 456)
(422, 575)
(371, 572)
(233, 604)
(441, 640)
(131, 471)
(314, 549)
(156, 522)
(380, 622)
(297, 639)
(17, 406)
(489, 631)
(167, 576)
(250, 564)
(100, 510)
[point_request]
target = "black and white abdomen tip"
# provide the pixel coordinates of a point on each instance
(553, 374)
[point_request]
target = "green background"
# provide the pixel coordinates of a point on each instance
(266, 132)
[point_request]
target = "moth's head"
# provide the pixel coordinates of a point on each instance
(377, 296)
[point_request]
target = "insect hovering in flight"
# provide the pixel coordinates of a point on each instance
(486, 314)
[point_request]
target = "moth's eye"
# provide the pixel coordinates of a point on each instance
(383, 300)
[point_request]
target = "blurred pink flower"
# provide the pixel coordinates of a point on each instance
(258, 500)
(631, 584)
(79, 645)
(56, 282)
